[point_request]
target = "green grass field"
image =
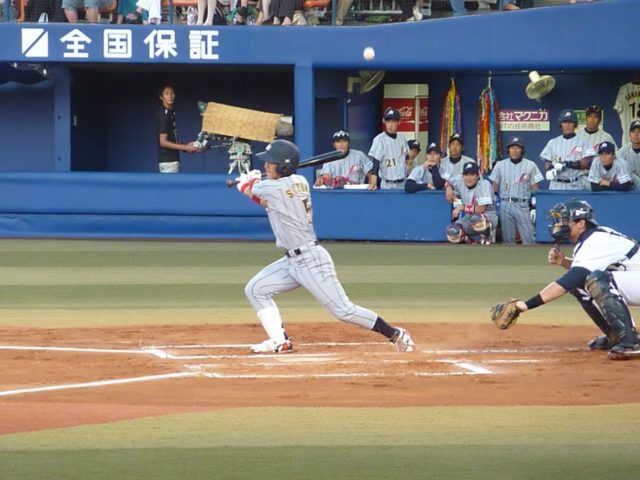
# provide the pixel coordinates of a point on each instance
(98, 283)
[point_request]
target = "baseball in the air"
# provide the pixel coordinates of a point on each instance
(368, 53)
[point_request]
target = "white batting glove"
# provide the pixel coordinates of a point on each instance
(532, 215)
(559, 166)
(551, 174)
(242, 180)
(255, 175)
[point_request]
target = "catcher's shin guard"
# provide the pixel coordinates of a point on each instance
(480, 223)
(602, 288)
(455, 233)
(587, 304)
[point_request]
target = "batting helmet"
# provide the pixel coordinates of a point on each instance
(455, 233)
(562, 214)
(568, 115)
(283, 153)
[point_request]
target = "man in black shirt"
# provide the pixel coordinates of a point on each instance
(168, 147)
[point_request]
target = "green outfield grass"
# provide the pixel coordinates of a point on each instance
(76, 283)
(98, 283)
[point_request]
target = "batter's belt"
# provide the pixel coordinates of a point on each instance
(294, 252)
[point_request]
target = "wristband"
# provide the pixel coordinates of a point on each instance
(469, 208)
(534, 302)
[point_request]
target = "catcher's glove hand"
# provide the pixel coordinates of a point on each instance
(505, 315)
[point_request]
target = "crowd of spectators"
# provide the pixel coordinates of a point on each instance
(250, 12)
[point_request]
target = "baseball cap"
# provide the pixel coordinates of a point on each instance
(606, 147)
(470, 167)
(634, 124)
(433, 148)
(593, 109)
(456, 136)
(414, 144)
(568, 115)
(391, 114)
(340, 135)
(516, 141)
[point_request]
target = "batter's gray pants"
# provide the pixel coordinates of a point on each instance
(315, 271)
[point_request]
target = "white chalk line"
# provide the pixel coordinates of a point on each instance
(289, 376)
(101, 383)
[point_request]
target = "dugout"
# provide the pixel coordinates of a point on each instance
(94, 116)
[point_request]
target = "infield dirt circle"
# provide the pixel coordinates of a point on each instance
(65, 377)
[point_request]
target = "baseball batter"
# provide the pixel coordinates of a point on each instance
(476, 217)
(567, 158)
(608, 172)
(388, 153)
(354, 168)
(287, 200)
(426, 176)
(631, 153)
(514, 179)
(627, 105)
(591, 134)
(603, 275)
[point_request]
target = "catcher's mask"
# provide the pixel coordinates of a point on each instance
(283, 153)
(562, 214)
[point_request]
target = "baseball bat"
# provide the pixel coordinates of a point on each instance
(321, 159)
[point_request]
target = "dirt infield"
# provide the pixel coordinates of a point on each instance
(64, 377)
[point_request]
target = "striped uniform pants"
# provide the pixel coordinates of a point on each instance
(314, 270)
(514, 216)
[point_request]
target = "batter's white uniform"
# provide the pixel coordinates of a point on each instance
(391, 152)
(449, 169)
(627, 105)
(596, 138)
(305, 263)
(514, 182)
(562, 150)
(618, 173)
(633, 160)
(601, 247)
(354, 167)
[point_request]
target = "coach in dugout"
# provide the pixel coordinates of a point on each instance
(354, 168)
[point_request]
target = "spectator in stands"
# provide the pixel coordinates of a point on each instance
(92, 9)
(264, 9)
(354, 168)
(426, 176)
(127, 12)
(287, 12)
(413, 157)
(591, 134)
(458, 6)
(151, 9)
(208, 6)
(44, 11)
(608, 172)
(168, 147)
(14, 11)
(631, 153)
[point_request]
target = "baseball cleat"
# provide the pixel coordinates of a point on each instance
(271, 346)
(621, 352)
(601, 343)
(402, 340)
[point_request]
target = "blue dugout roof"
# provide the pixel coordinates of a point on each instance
(597, 35)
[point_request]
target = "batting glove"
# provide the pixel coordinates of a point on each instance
(551, 174)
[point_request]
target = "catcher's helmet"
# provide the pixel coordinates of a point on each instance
(568, 115)
(562, 214)
(284, 153)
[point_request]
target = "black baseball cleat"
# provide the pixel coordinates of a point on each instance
(624, 352)
(601, 343)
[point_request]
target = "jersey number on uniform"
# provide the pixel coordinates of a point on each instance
(390, 162)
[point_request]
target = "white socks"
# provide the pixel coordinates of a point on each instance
(272, 323)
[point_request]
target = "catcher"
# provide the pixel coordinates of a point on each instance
(603, 275)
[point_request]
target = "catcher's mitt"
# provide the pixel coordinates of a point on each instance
(505, 315)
